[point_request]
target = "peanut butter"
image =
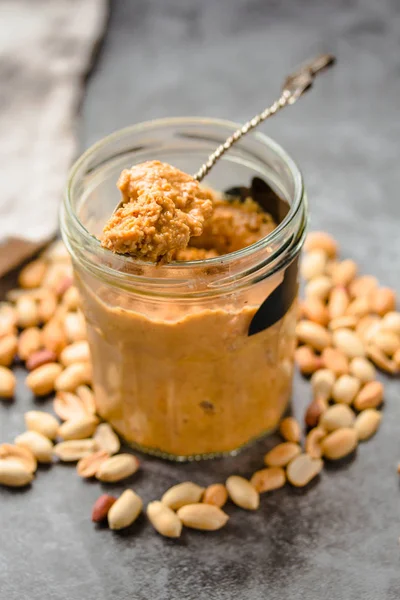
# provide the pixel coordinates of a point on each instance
(163, 208)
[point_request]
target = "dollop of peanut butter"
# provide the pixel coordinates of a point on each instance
(163, 209)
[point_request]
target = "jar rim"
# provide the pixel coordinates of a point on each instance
(93, 243)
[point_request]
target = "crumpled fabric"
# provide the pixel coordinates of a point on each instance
(46, 50)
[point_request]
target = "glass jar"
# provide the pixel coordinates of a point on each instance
(189, 359)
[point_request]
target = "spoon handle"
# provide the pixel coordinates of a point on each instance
(294, 86)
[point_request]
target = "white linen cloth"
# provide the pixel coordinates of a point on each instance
(46, 49)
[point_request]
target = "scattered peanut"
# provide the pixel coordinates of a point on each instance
(78, 429)
(216, 494)
(344, 272)
(40, 446)
(73, 376)
(13, 473)
(164, 520)
(31, 276)
(125, 510)
(320, 240)
(76, 352)
(362, 285)
(315, 310)
(367, 423)
(181, 494)
(90, 464)
(290, 430)
(335, 360)
(101, 507)
(42, 422)
(74, 450)
(69, 406)
(383, 300)
(370, 396)
(338, 302)
(380, 359)
(242, 493)
(117, 467)
(313, 442)
(348, 342)
(19, 453)
(391, 322)
(8, 349)
(345, 388)
(337, 417)
(40, 358)
(7, 383)
(313, 334)
(266, 480)
(339, 443)
(319, 287)
(205, 517)
(322, 383)
(27, 312)
(107, 439)
(362, 369)
(42, 380)
(307, 361)
(281, 454)
(313, 264)
(314, 411)
(302, 469)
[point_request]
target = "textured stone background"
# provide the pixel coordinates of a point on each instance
(337, 539)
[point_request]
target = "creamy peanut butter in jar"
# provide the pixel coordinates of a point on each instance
(192, 358)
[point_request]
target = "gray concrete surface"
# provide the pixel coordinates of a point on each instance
(337, 539)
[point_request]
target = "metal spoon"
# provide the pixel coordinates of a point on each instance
(295, 85)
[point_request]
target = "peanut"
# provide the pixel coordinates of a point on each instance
(314, 411)
(360, 307)
(383, 300)
(344, 322)
(313, 442)
(74, 450)
(320, 240)
(335, 360)
(348, 342)
(242, 493)
(302, 469)
(181, 494)
(370, 396)
(117, 467)
(216, 494)
(69, 406)
(74, 327)
(54, 338)
(337, 417)
(8, 349)
(339, 443)
(78, 429)
(322, 383)
(281, 454)
(125, 510)
(76, 352)
(362, 369)
(313, 264)
(315, 310)
(266, 480)
(367, 423)
(42, 380)
(101, 507)
(380, 359)
(14, 474)
(40, 446)
(107, 439)
(7, 383)
(319, 287)
(8, 319)
(345, 389)
(47, 306)
(307, 361)
(290, 430)
(202, 516)
(40, 358)
(338, 302)
(42, 422)
(387, 341)
(86, 396)
(313, 334)
(90, 464)
(27, 312)
(31, 276)
(164, 520)
(344, 272)
(73, 376)
(29, 342)
(18, 453)
(362, 285)
(391, 322)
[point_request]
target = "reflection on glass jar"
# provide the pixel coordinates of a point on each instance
(190, 359)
